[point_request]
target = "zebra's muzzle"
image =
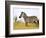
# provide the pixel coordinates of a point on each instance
(19, 17)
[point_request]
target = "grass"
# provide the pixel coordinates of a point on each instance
(18, 25)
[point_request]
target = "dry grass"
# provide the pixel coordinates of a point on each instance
(18, 25)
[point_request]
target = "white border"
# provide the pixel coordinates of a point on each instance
(24, 30)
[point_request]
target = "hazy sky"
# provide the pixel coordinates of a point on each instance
(28, 11)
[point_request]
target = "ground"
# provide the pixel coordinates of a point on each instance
(20, 25)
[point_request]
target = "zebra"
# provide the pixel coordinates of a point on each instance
(29, 19)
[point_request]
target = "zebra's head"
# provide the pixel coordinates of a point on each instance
(22, 15)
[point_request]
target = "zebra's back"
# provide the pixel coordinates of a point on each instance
(31, 19)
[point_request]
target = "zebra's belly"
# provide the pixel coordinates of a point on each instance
(29, 20)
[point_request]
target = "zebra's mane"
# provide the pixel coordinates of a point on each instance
(25, 14)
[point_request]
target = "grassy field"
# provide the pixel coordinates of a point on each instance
(18, 25)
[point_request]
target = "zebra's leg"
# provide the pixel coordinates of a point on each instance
(34, 22)
(38, 21)
(26, 24)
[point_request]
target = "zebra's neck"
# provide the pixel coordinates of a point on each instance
(24, 17)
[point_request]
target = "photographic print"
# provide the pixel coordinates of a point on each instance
(24, 18)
